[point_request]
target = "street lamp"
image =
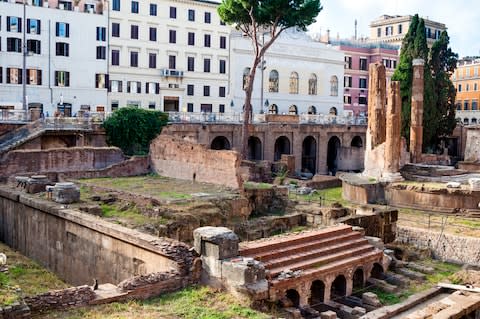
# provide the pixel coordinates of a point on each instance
(262, 67)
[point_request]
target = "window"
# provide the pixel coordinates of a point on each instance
(222, 22)
(206, 65)
(116, 86)
(458, 105)
(14, 45)
(34, 46)
(134, 87)
(223, 42)
(363, 64)
(206, 40)
(400, 29)
(466, 105)
(34, 77)
(246, 74)
(474, 105)
(172, 36)
(208, 17)
(172, 61)
(134, 6)
(33, 26)
(467, 87)
(116, 5)
(134, 31)
(152, 88)
(101, 53)
(62, 49)
(362, 100)
(273, 81)
(333, 86)
(428, 32)
(362, 83)
(153, 9)
(221, 108)
(312, 84)
(348, 62)
(459, 88)
(222, 66)
(347, 81)
(206, 90)
(191, 38)
(475, 86)
(189, 107)
(294, 83)
(190, 63)
(134, 58)
(153, 34)
(115, 30)
(14, 24)
(190, 89)
(62, 78)
(1, 74)
(152, 60)
(151, 105)
(191, 15)
(347, 99)
(379, 32)
(173, 12)
(221, 91)
(101, 34)
(115, 57)
(14, 76)
(206, 108)
(62, 29)
(100, 81)
(389, 30)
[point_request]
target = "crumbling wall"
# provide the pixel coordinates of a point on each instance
(177, 158)
(472, 146)
(60, 299)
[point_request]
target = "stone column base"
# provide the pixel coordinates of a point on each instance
(392, 177)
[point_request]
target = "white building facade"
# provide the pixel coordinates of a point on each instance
(65, 49)
(300, 76)
(168, 55)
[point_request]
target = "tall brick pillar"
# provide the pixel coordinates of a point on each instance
(376, 104)
(416, 126)
(393, 128)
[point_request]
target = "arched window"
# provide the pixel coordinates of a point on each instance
(246, 73)
(273, 109)
(294, 83)
(474, 121)
(465, 121)
(312, 109)
(334, 86)
(293, 110)
(273, 81)
(333, 111)
(312, 84)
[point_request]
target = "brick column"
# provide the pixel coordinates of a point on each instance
(393, 128)
(376, 104)
(416, 126)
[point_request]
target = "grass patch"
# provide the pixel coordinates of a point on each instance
(130, 215)
(175, 195)
(325, 196)
(253, 185)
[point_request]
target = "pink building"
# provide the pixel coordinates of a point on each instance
(358, 56)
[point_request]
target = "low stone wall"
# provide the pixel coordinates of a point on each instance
(178, 158)
(448, 247)
(60, 299)
(382, 224)
(15, 311)
(366, 193)
(469, 166)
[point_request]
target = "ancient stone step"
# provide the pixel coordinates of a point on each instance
(256, 248)
(321, 261)
(304, 247)
(396, 279)
(421, 268)
(415, 275)
(292, 257)
(383, 285)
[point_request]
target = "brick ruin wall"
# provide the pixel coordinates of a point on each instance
(65, 242)
(177, 158)
(472, 145)
(448, 247)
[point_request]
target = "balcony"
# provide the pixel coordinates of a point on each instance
(171, 73)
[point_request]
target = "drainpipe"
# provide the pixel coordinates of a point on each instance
(50, 64)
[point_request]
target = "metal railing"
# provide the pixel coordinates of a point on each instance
(14, 116)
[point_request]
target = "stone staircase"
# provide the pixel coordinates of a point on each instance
(312, 253)
(21, 135)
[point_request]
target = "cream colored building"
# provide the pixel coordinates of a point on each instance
(392, 29)
(168, 55)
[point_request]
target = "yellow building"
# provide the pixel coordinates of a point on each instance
(467, 81)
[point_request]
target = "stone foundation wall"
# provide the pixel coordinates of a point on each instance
(178, 158)
(472, 145)
(60, 299)
(469, 166)
(363, 194)
(351, 158)
(15, 311)
(443, 246)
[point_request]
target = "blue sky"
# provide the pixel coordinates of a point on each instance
(462, 18)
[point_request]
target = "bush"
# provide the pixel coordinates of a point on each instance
(132, 129)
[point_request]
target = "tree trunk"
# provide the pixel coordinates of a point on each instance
(247, 110)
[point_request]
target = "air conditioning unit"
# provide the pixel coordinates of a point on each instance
(173, 86)
(165, 72)
(173, 72)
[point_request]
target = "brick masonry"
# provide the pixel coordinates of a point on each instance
(60, 299)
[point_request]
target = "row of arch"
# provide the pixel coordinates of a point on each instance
(338, 288)
(274, 77)
(293, 109)
(283, 146)
(467, 121)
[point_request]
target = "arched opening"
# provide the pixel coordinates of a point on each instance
(294, 83)
(377, 271)
(273, 109)
(273, 81)
(254, 149)
(282, 146)
(64, 109)
(294, 297)
(317, 292)
(309, 155)
(356, 142)
(332, 154)
(474, 121)
(339, 287)
(220, 143)
(334, 86)
(333, 111)
(312, 84)
(312, 110)
(358, 279)
(293, 110)
(465, 121)
(246, 74)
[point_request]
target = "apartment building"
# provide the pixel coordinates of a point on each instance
(168, 55)
(466, 80)
(64, 53)
(298, 76)
(392, 29)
